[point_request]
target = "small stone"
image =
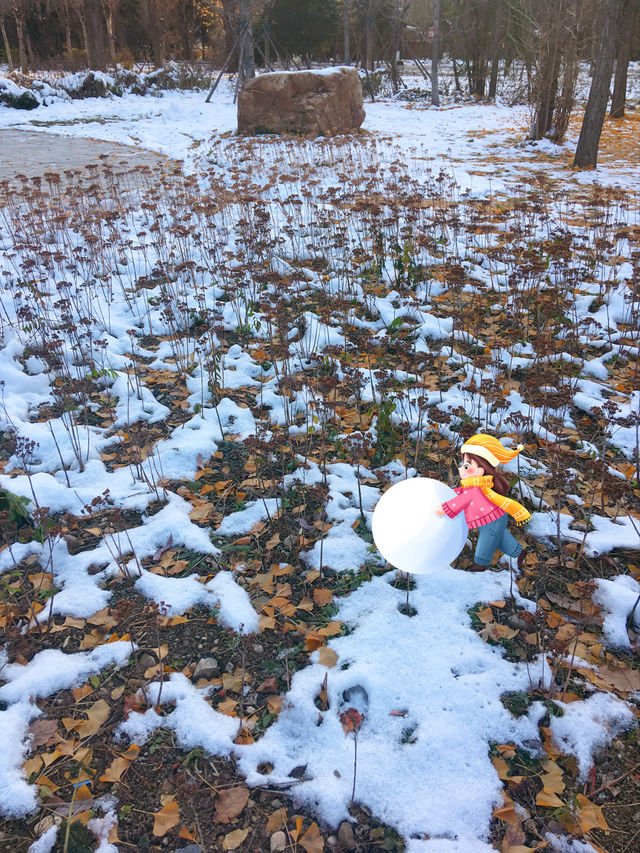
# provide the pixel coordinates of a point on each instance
(258, 649)
(206, 668)
(278, 841)
(345, 835)
(146, 660)
(229, 668)
(276, 803)
(516, 621)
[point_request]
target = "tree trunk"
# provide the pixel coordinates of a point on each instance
(346, 21)
(88, 47)
(435, 51)
(247, 66)
(456, 76)
(369, 33)
(22, 53)
(628, 24)
(95, 33)
(109, 9)
(187, 13)
(587, 150)
(547, 96)
(32, 55)
(550, 26)
(7, 46)
(229, 24)
(267, 41)
(68, 47)
(495, 60)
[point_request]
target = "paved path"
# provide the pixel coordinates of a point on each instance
(33, 153)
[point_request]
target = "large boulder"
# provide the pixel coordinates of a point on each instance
(307, 102)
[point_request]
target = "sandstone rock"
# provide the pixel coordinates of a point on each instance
(206, 668)
(306, 102)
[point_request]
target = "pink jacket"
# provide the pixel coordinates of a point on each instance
(478, 510)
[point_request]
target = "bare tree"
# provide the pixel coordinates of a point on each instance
(95, 31)
(628, 26)
(435, 50)
(558, 25)
(18, 10)
(497, 38)
(109, 10)
(153, 16)
(346, 21)
(589, 141)
(64, 7)
(246, 60)
(4, 10)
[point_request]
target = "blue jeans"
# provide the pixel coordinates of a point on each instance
(495, 536)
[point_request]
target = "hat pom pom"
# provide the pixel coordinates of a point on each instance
(520, 447)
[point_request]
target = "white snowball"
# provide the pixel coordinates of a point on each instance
(409, 534)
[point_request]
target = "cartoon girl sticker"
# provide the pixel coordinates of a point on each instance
(483, 498)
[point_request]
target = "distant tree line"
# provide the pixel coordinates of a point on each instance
(484, 38)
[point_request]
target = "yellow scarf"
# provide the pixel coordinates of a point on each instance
(519, 514)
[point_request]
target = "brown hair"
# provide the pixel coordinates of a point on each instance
(500, 482)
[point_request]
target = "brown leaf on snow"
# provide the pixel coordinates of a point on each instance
(322, 699)
(166, 819)
(230, 804)
(327, 657)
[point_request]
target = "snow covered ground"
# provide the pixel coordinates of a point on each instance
(458, 138)
(429, 686)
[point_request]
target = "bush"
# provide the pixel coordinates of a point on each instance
(24, 101)
(93, 87)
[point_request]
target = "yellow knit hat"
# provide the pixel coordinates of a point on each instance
(489, 448)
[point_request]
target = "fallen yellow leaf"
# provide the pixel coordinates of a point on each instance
(166, 819)
(327, 657)
(312, 840)
(590, 815)
(234, 839)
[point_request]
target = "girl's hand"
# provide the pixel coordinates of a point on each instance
(440, 511)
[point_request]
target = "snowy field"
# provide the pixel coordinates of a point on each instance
(218, 375)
